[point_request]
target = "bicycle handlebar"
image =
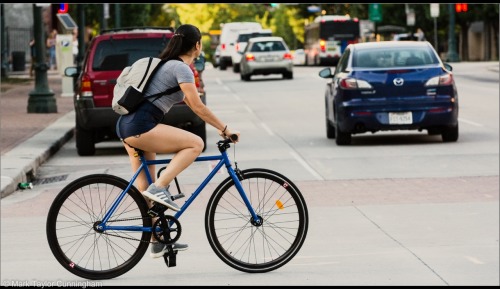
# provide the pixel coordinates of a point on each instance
(224, 144)
(230, 139)
(233, 137)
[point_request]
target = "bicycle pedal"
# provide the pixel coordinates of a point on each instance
(152, 213)
(156, 209)
(178, 196)
(170, 258)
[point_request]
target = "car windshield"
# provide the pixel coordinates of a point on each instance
(267, 46)
(116, 54)
(394, 57)
(246, 37)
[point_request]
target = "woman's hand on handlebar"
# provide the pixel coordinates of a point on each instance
(231, 134)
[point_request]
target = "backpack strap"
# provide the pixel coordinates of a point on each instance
(166, 92)
(147, 70)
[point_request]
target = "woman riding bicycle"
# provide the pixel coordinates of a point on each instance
(142, 129)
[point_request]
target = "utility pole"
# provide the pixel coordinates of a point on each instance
(5, 56)
(452, 55)
(41, 99)
(118, 18)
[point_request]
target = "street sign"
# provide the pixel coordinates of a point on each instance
(313, 8)
(434, 10)
(375, 12)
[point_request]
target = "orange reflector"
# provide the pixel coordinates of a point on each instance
(279, 204)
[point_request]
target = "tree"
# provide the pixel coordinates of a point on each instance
(287, 20)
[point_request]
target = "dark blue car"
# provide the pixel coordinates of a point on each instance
(390, 85)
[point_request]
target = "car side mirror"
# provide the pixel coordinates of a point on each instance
(71, 71)
(448, 66)
(199, 63)
(326, 73)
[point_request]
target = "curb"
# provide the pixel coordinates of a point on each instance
(21, 163)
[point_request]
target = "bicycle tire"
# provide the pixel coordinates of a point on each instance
(257, 249)
(81, 249)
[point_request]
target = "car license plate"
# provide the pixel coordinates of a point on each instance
(400, 117)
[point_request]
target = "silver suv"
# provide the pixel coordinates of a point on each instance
(264, 56)
(241, 44)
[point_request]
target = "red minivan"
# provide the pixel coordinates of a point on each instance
(106, 56)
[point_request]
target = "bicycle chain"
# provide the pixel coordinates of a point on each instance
(128, 238)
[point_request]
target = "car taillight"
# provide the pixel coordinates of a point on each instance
(86, 86)
(223, 46)
(353, 83)
(445, 79)
(322, 45)
(287, 56)
(237, 47)
(250, 57)
(196, 78)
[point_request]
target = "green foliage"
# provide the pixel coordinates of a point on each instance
(285, 20)
(280, 25)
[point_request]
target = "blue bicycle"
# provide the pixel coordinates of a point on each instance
(99, 226)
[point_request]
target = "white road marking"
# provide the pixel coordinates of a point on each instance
(306, 166)
(470, 122)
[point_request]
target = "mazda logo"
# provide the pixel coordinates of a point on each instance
(398, 81)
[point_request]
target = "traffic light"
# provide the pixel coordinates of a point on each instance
(461, 7)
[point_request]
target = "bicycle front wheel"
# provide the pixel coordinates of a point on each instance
(73, 234)
(242, 243)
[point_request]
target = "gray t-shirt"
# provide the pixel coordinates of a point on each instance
(169, 75)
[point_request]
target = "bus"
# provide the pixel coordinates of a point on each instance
(326, 38)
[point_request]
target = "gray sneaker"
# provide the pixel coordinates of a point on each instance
(159, 249)
(160, 195)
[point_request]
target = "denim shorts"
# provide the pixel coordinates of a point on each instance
(146, 117)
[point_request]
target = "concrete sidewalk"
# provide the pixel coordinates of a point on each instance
(29, 139)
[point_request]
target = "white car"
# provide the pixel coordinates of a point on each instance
(299, 57)
(241, 44)
(264, 56)
(228, 37)
(216, 57)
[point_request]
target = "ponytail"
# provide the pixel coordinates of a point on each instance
(184, 39)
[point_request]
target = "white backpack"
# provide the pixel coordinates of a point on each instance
(139, 73)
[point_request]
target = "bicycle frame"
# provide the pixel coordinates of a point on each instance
(223, 160)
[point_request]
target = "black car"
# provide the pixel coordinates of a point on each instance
(107, 55)
(390, 85)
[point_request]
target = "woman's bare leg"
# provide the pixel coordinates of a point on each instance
(165, 139)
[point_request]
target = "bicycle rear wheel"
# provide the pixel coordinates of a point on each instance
(72, 227)
(242, 244)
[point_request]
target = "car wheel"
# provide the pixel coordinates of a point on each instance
(201, 131)
(330, 130)
(341, 138)
(245, 77)
(450, 134)
(85, 145)
(288, 75)
(236, 68)
(222, 65)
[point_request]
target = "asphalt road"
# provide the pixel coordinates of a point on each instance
(403, 209)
